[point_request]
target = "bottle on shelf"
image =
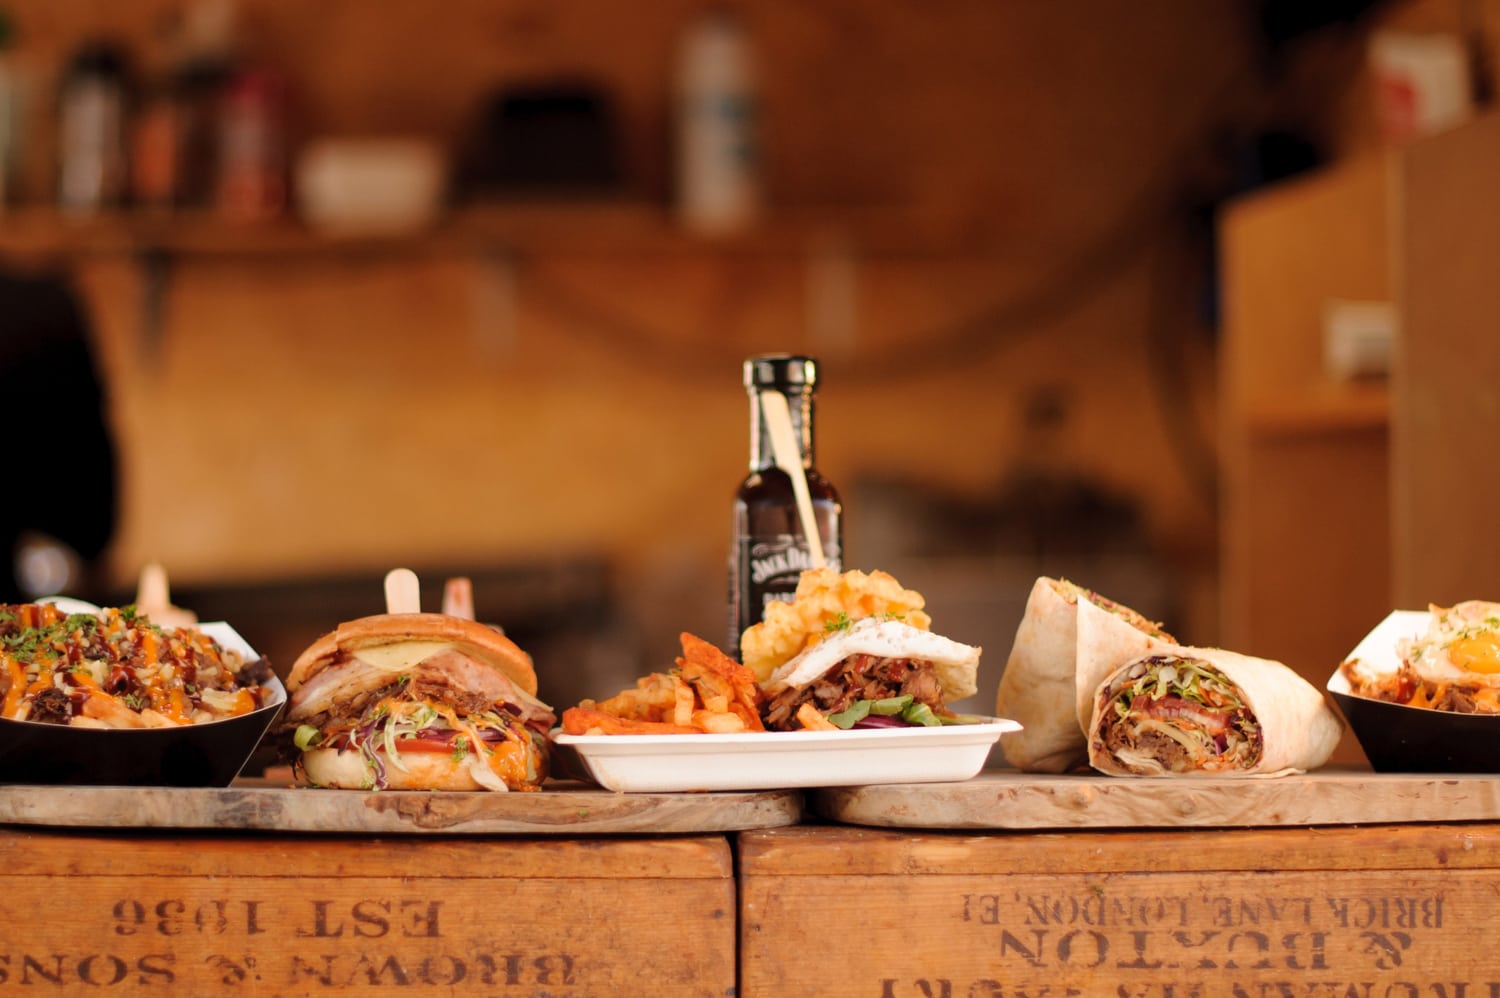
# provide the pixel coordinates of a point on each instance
(10, 114)
(718, 170)
(91, 131)
(770, 550)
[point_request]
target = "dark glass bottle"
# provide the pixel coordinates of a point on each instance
(769, 550)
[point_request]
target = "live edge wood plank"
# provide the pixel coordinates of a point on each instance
(1011, 800)
(562, 809)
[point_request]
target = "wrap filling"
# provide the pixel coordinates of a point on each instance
(1176, 714)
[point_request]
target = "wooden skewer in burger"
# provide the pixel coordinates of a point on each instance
(407, 700)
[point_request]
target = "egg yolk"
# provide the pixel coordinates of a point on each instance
(1480, 653)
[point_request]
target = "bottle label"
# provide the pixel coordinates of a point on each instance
(775, 564)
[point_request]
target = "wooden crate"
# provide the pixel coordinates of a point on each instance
(209, 914)
(1260, 913)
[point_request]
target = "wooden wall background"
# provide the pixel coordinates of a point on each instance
(1004, 191)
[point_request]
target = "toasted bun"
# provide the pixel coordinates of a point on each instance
(424, 771)
(479, 641)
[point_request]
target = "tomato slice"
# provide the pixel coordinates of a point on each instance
(425, 744)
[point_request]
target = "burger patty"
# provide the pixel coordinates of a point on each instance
(858, 677)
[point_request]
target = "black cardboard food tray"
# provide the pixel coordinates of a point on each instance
(1401, 739)
(192, 755)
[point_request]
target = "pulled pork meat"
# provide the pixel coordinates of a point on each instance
(858, 677)
(51, 706)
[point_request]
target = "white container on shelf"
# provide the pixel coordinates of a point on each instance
(370, 185)
(718, 169)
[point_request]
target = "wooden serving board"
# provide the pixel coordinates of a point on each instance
(572, 809)
(1010, 800)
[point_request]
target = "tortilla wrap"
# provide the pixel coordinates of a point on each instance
(1294, 726)
(1064, 641)
(1105, 642)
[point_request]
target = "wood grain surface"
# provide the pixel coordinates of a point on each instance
(228, 913)
(1011, 800)
(1366, 911)
(565, 809)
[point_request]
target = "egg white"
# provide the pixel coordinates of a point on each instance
(1461, 644)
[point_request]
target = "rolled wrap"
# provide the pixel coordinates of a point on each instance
(1068, 640)
(1273, 721)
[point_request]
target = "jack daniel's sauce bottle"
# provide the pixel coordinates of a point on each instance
(770, 550)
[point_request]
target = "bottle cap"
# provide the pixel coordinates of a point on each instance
(784, 372)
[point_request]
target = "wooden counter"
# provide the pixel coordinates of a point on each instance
(1335, 883)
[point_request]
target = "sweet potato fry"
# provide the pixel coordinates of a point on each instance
(707, 692)
(811, 720)
(682, 712)
(589, 721)
(701, 657)
(717, 722)
(654, 698)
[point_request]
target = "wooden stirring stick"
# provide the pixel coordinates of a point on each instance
(153, 597)
(458, 598)
(402, 593)
(788, 457)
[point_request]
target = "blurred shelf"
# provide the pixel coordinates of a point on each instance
(578, 228)
(1332, 409)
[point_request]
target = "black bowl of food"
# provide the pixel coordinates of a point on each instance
(1421, 691)
(105, 697)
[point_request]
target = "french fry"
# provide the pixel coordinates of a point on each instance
(811, 720)
(685, 702)
(699, 654)
(717, 722)
(707, 693)
(590, 721)
(112, 712)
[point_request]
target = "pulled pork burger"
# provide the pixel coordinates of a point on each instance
(416, 701)
(871, 673)
(854, 650)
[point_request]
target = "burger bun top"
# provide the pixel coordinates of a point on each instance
(480, 641)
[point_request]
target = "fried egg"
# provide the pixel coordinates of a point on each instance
(1461, 644)
(954, 662)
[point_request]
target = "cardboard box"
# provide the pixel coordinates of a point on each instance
(1251, 913)
(250, 915)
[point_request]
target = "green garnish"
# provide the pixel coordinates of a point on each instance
(920, 713)
(305, 737)
(903, 707)
(839, 623)
(856, 712)
(460, 748)
(1180, 677)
